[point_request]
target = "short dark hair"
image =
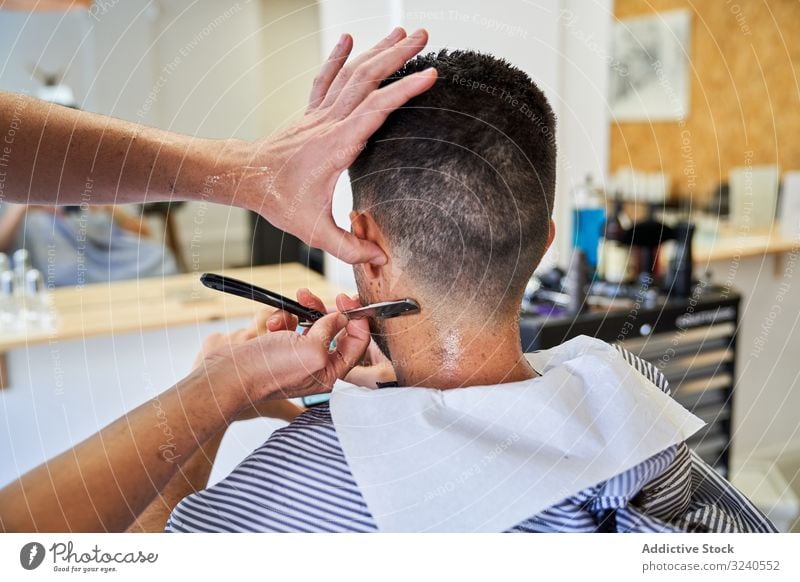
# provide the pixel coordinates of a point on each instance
(461, 180)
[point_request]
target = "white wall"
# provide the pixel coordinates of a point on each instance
(203, 80)
(767, 392)
(52, 42)
(583, 127)
(290, 58)
(558, 52)
(368, 22)
(125, 61)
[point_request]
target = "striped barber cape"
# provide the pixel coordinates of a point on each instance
(299, 480)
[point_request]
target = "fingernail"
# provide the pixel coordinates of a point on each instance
(378, 260)
(341, 40)
(396, 33)
(418, 34)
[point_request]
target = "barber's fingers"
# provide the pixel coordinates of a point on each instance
(366, 78)
(281, 321)
(369, 376)
(281, 409)
(213, 342)
(219, 341)
(223, 343)
(319, 336)
(374, 110)
(343, 302)
(351, 345)
(344, 75)
(307, 299)
(340, 243)
(330, 70)
(375, 357)
(259, 323)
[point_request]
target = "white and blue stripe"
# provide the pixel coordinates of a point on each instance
(299, 481)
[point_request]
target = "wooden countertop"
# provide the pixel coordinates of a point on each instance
(147, 304)
(731, 243)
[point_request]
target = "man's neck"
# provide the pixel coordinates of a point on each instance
(451, 356)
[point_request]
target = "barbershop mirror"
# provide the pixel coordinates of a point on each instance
(210, 69)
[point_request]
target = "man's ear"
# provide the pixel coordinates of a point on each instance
(363, 226)
(358, 224)
(550, 235)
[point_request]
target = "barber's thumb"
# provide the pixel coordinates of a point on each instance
(343, 302)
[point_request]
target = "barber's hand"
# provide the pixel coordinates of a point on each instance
(282, 320)
(290, 177)
(217, 344)
(373, 367)
(284, 364)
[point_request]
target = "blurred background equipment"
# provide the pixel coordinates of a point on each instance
(165, 211)
(588, 215)
(24, 302)
(753, 196)
(82, 245)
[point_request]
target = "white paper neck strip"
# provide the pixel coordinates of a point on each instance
(485, 458)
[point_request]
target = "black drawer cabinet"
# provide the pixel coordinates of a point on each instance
(692, 342)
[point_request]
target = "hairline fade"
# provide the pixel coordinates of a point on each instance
(461, 180)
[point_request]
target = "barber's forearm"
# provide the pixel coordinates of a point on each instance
(107, 480)
(9, 223)
(191, 477)
(55, 155)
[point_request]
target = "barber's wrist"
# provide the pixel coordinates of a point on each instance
(234, 381)
(225, 166)
(201, 170)
(211, 398)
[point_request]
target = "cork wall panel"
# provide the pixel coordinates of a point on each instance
(745, 95)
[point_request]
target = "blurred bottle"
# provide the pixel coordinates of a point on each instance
(613, 255)
(8, 312)
(8, 303)
(24, 302)
(588, 216)
(33, 304)
(576, 282)
(22, 263)
(679, 280)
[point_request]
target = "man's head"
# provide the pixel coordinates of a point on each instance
(458, 187)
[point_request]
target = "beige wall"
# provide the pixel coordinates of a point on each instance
(745, 60)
